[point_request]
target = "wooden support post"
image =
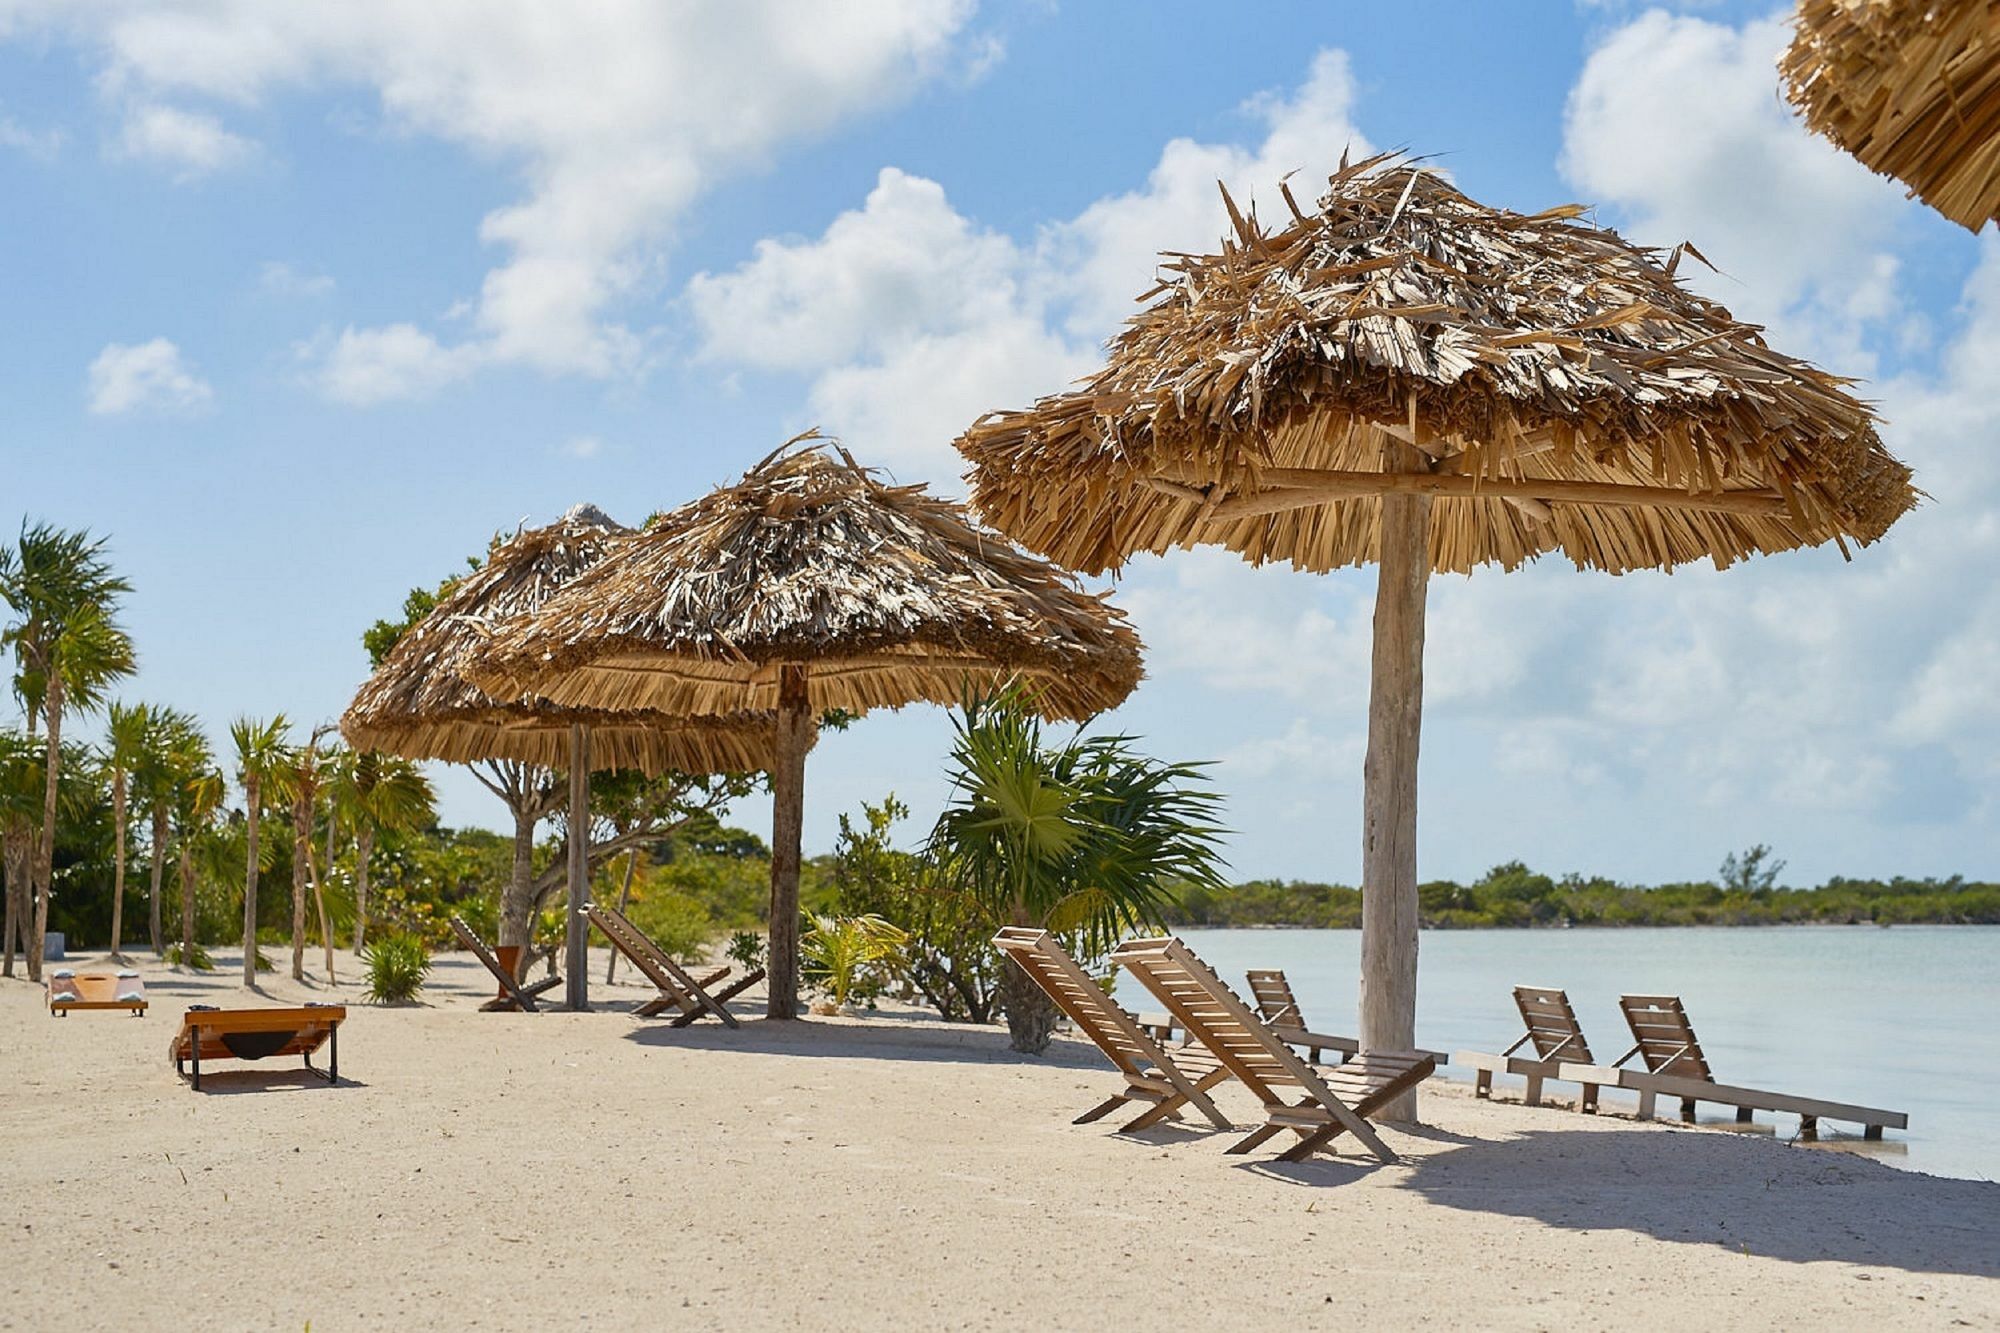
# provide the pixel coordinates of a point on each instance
(576, 927)
(788, 786)
(1389, 780)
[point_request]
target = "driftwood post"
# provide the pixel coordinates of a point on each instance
(788, 784)
(1389, 782)
(576, 928)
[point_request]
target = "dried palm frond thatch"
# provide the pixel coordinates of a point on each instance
(420, 704)
(1563, 390)
(886, 594)
(1912, 89)
(810, 584)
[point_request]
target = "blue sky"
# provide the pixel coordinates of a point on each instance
(303, 302)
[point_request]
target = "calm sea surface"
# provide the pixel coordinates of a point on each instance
(1906, 1018)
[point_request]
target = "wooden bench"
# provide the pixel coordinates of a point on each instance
(258, 1034)
(69, 990)
(1676, 1067)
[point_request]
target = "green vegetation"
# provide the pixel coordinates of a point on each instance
(850, 956)
(1745, 893)
(397, 966)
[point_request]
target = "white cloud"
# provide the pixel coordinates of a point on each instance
(363, 367)
(1676, 123)
(913, 319)
(144, 377)
(280, 279)
(581, 446)
(43, 145)
(616, 115)
(190, 143)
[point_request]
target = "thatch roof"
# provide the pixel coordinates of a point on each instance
(1909, 87)
(1566, 392)
(420, 704)
(888, 594)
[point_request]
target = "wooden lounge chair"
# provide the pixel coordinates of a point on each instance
(688, 996)
(96, 990)
(257, 1034)
(513, 995)
(1280, 1008)
(1164, 1081)
(1557, 1038)
(1676, 1067)
(1338, 1100)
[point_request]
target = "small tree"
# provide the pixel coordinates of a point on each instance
(1753, 872)
(260, 749)
(1087, 839)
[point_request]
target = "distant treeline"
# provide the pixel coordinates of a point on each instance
(1512, 895)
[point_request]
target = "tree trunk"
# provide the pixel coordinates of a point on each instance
(119, 796)
(1389, 815)
(14, 862)
(250, 797)
(301, 854)
(364, 844)
(1031, 1015)
(517, 902)
(788, 786)
(624, 898)
(187, 902)
(45, 846)
(576, 926)
(154, 925)
(319, 902)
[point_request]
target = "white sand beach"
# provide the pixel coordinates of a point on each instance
(503, 1170)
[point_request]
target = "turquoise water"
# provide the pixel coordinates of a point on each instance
(1906, 1018)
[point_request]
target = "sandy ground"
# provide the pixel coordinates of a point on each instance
(504, 1171)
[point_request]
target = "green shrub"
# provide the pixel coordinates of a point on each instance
(197, 959)
(679, 924)
(397, 965)
(850, 955)
(746, 949)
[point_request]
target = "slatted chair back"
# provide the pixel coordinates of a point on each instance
(1665, 1037)
(1552, 1025)
(1275, 1001)
(1245, 1045)
(687, 993)
(1082, 1000)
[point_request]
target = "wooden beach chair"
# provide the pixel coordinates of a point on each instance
(1338, 1100)
(69, 990)
(513, 995)
(258, 1034)
(1557, 1038)
(687, 995)
(1164, 1081)
(1280, 1008)
(1675, 1067)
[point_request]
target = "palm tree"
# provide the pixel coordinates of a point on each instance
(260, 749)
(156, 781)
(21, 786)
(200, 790)
(1087, 839)
(68, 650)
(301, 779)
(128, 729)
(373, 794)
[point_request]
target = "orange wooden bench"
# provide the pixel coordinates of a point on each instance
(96, 990)
(258, 1034)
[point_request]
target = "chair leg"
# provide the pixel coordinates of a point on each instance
(1102, 1109)
(1687, 1109)
(1809, 1127)
(194, 1042)
(1482, 1084)
(1743, 1115)
(1646, 1101)
(1534, 1097)
(1590, 1099)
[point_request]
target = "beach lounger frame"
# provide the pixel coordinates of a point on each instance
(1263, 1062)
(1163, 1081)
(1271, 989)
(297, 1031)
(1555, 1034)
(687, 995)
(69, 990)
(1676, 1067)
(513, 994)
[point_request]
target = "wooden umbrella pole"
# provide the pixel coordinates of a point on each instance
(788, 784)
(1389, 815)
(576, 928)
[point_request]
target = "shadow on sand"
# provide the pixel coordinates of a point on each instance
(884, 1038)
(234, 1082)
(1703, 1188)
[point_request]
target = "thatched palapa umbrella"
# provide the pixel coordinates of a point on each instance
(420, 703)
(1912, 89)
(1411, 378)
(812, 584)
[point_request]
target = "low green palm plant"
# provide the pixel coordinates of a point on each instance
(397, 965)
(844, 953)
(191, 956)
